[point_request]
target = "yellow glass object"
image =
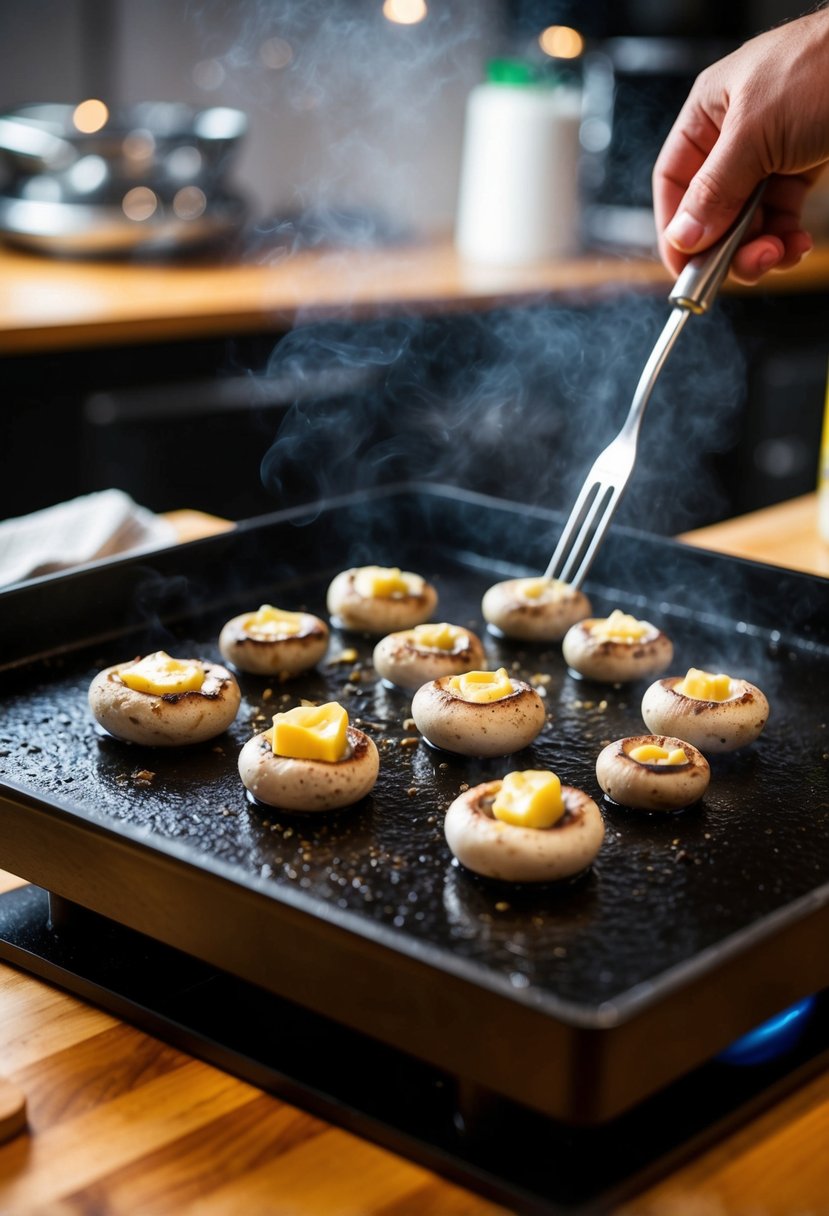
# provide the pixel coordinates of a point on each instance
(704, 686)
(482, 686)
(381, 582)
(436, 637)
(160, 675)
(529, 799)
(652, 753)
(271, 624)
(311, 732)
(621, 627)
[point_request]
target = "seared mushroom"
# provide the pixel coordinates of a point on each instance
(274, 642)
(379, 599)
(164, 702)
(481, 713)
(414, 656)
(330, 763)
(717, 713)
(534, 609)
(616, 649)
(653, 772)
(509, 851)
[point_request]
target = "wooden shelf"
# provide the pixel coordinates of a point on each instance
(48, 304)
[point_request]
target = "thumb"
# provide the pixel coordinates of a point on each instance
(715, 196)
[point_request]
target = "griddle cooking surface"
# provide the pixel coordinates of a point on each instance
(665, 888)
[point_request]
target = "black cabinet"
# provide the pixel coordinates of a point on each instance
(515, 402)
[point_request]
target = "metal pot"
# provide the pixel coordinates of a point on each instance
(151, 174)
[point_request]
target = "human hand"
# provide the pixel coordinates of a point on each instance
(762, 112)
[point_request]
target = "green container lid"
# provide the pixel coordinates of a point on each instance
(512, 71)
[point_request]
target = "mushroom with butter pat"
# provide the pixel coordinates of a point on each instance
(534, 609)
(380, 599)
(311, 759)
(273, 642)
(616, 649)
(527, 827)
(653, 772)
(479, 713)
(412, 657)
(714, 711)
(164, 702)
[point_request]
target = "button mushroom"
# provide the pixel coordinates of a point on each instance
(560, 846)
(534, 609)
(653, 772)
(480, 713)
(616, 649)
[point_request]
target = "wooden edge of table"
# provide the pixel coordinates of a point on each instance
(196, 525)
(50, 303)
(786, 534)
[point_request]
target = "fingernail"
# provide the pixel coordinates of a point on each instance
(767, 260)
(684, 231)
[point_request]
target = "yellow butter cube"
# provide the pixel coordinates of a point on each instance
(436, 637)
(381, 582)
(652, 753)
(311, 732)
(482, 686)
(160, 675)
(704, 686)
(621, 627)
(534, 588)
(529, 799)
(271, 623)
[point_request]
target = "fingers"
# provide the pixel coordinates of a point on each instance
(716, 194)
(683, 154)
(757, 257)
(776, 238)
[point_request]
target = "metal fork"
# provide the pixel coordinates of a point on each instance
(694, 292)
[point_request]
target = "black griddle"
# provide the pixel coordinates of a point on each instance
(576, 1002)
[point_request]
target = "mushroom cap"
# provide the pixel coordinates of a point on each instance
(168, 720)
(612, 661)
(309, 785)
(399, 658)
(274, 656)
(473, 728)
(518, 854)
(652, 787)
(379, 613)
(712, 726)
(540, 618)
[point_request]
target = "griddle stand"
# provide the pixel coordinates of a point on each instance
(468, 1134)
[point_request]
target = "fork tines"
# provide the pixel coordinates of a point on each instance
(583, 531)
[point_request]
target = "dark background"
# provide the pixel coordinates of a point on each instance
(515, 402)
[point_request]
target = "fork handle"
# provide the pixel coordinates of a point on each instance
(698, 283)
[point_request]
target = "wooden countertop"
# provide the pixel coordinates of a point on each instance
(120, 1123)
(49, 304)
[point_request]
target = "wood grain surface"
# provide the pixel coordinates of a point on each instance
(120, 1123)
(55, 304)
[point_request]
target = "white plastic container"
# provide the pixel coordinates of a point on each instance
(518, 200)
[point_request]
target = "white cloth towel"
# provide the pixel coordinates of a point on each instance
(86, 529)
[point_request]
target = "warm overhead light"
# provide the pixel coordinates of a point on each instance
(138, 144)
(404, 12)
(561, 42)
(139, 203)
(89, 116)
(189, 203)
(276, 53)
